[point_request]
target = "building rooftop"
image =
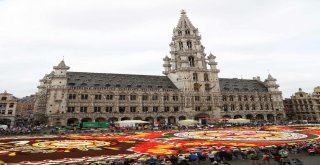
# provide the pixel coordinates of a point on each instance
(241, 85)
(85, 79)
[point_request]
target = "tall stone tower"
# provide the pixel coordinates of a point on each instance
(58, 92)
(275, 95)
(52, 94)
(188, 68)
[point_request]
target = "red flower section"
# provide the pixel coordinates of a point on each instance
(125, 137)
(149, 135)
(156, 148)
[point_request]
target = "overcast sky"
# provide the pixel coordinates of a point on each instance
(249, 38)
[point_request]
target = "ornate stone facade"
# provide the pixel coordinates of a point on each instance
(8, 105)
(304, 106)
(190, 88)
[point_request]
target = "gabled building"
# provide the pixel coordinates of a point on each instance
(189, 89)
(8, 105)
(304, 106)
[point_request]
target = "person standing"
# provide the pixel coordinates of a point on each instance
(254, 158)
(266, 158)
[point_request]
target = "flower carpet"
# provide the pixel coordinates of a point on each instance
(54, 149)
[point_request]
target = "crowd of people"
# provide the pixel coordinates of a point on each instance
(24, 124)
(281, 155)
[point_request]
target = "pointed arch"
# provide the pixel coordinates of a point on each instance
(182, 118)
(161, 120)
(125, 118)
(226, 116)
(113, 119)
(71, 121)
(87, 119)
(150, 119)
(171, 120)
(249, 116)
(137, 118)
(237, 117)
(100, 119)
(270, 117)
(259, 117)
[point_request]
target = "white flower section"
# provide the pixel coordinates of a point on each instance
(242, 135)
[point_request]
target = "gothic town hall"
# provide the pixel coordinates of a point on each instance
(190, 89)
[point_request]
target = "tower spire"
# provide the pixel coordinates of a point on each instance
(184, 22)
(188, 65)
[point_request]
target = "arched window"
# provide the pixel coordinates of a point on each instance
(253, 107)
(267, 107)
(191, 61)
(241, 107)
(179, 32)
(206, 77)
(180, 45)
(231, 98)
(195, 77)
(187, 32)
(189, 44)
